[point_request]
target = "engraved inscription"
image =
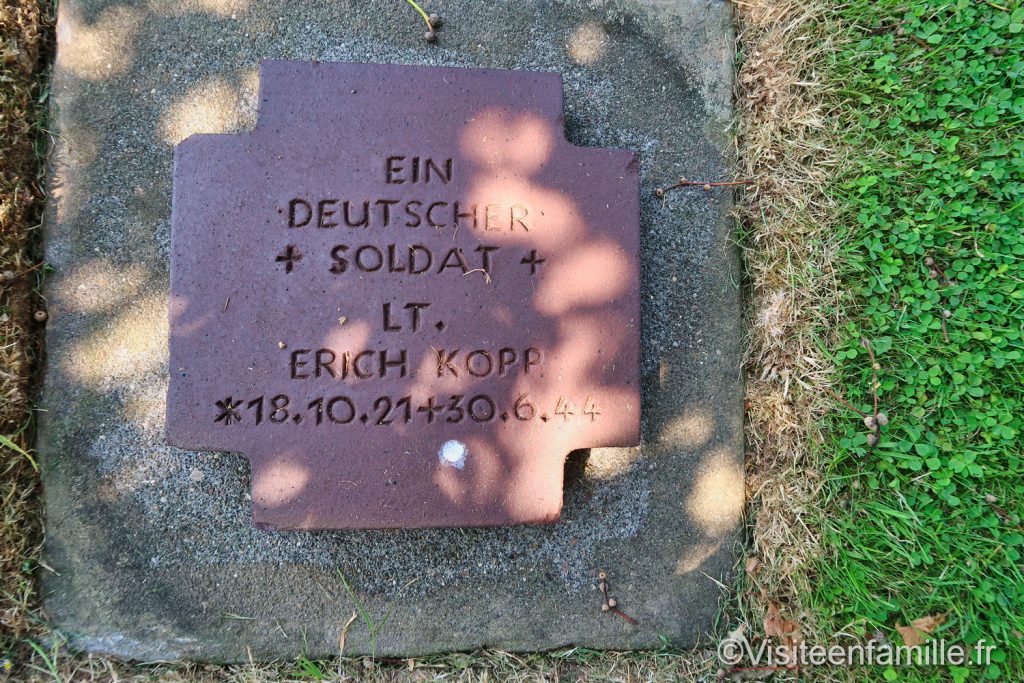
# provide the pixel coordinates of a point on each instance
(389, 410)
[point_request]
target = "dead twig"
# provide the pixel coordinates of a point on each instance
(616, 611)
(610, 604)
(432, 21)
(876, 419)
(936, 272)
(842, 400)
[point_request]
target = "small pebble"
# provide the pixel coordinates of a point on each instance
(196, 475)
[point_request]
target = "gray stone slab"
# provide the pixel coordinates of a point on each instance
(152, 548)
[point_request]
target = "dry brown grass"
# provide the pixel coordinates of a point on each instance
(783, 143)
(25, 30)
(25, 33)
(484, 667)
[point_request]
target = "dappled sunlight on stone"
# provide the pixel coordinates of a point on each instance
(130, 473)
(495, 139)
(100, 50)
(213, 106)
(715, 504)
(691, 430)
(551, 219)
(248, 96)
(145, 403)
(528, 504)
(278, 483)
(144, 407)
(97, 286)
(72, 156)
(452, 483)
(607, 464)
(353, 334)
(696, 555)
(588, 43)
(429, 380)
(487, 469)
(220, 8)
(502, 315)
(133, 344)
(178, 310)
(591, 275)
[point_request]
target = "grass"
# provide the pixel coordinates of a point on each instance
(922, 515)
(373, 626)
(885, 138)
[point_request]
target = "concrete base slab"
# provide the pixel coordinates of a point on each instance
(153, 550)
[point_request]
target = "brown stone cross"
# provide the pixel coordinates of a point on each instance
(411, 372)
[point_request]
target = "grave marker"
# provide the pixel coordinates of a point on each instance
(404, 296)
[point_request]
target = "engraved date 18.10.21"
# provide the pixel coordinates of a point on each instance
(386, 410)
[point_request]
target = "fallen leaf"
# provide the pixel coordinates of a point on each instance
(753, 564)
(920, 629)
(775, 626)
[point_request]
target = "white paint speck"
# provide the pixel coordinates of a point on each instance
(453, 453)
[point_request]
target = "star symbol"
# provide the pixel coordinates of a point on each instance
(228, 411)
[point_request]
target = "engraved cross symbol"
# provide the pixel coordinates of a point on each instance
(290, 256)
(228, 411)
(430, 408)
(532, 261)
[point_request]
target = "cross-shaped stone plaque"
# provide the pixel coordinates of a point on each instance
(404, 296)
